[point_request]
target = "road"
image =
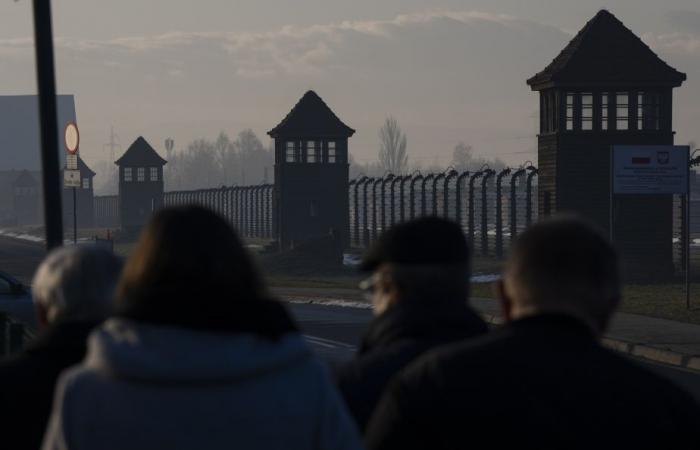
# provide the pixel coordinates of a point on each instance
(334, 332)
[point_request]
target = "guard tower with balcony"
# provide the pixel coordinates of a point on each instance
(140, 185)
(607, 88)
(311, 174)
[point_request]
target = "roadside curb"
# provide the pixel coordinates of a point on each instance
(635, 350)
(641, 351)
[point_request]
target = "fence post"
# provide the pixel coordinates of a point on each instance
(528, 195)
(488, 173)
(402, 199)
(375, 225)
(423, 199)
(514, 204)
(412, 195)
(365, 208)
(499, 212)
(386, 179)
(398, 179)
(435, 195)
(458, 196)
(356, 218)
(446, 193)
(471, 212)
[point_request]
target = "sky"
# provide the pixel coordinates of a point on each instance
(448, 71)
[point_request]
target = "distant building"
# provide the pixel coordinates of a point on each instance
(140, 184)
(311, 174)
(84, 196)
(607, 88)
(21, 197)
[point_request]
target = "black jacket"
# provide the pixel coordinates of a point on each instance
(542, 382)
(396, 338)
(27, 382)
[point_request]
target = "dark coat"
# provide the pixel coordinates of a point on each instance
(396, 338)
(27, 382)
(542, 382)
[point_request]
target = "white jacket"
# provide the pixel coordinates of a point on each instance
(153, 387)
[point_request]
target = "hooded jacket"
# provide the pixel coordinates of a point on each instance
(145, 386)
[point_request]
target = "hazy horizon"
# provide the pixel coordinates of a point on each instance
(448, 71)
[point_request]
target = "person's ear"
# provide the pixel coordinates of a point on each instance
(504, 299)
(42, 316)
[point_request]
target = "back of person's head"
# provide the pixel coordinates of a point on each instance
(190, 269)
(76, 284)
(427, 259)
(564, 264)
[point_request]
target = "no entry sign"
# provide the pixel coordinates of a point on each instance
(650, 169)
(71, 138)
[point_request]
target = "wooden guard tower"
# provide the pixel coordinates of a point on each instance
(140, 184)
(607, 88)
(311, 174)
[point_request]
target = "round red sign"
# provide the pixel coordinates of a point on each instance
(71, 138)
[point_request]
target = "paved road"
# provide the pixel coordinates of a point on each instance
(20, 258)
(334, 332)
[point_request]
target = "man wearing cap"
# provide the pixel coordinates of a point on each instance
(419, 287)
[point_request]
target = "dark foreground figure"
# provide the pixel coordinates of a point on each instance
(542, 381)
(72, 293)
(198, 357)
(419, 288)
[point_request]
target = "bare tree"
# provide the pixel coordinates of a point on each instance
(392, 151)
(462, 157)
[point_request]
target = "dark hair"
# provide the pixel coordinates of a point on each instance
(567, 259)
(190, 269)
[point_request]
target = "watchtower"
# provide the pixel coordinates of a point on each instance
(140, 184)
(606, 88)
(84, 199)
(311, 174)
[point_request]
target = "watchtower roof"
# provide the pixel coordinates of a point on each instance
(140, 153)
(607, 53)
(311, 117)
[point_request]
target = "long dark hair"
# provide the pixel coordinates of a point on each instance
(190, 269)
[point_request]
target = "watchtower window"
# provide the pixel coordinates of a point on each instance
(154, 174)
(648, 105)
(331, 152)
(127, 174)
(86, 183)
(291, 155)
(622, 111)
(311, 155)
(604, 112)
(141, 174)
(587, 111)
(569, 111)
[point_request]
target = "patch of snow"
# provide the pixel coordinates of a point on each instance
(485, 278)
(329, 302)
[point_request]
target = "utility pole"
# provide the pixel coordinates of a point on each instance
(112, 145)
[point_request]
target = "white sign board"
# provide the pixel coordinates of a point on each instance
(72, 161)
(650, 169)
(71, 178)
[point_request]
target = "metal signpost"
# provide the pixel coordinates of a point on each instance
(653, 169)
(71, 176)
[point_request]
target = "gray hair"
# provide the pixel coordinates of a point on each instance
(76, 283)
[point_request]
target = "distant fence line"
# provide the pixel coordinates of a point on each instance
(248, 208)
(491, 207)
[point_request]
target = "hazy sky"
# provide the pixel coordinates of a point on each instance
(448, 70)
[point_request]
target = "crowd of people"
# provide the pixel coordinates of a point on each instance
(184, 348)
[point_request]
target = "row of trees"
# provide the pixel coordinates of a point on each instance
(222, 161)
(393, 156)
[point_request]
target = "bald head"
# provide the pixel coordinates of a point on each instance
(563, 265)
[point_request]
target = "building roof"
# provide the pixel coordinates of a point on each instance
(20, 146)
(313, 118)
(140, 153)
(25, 179)
(606, 52)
